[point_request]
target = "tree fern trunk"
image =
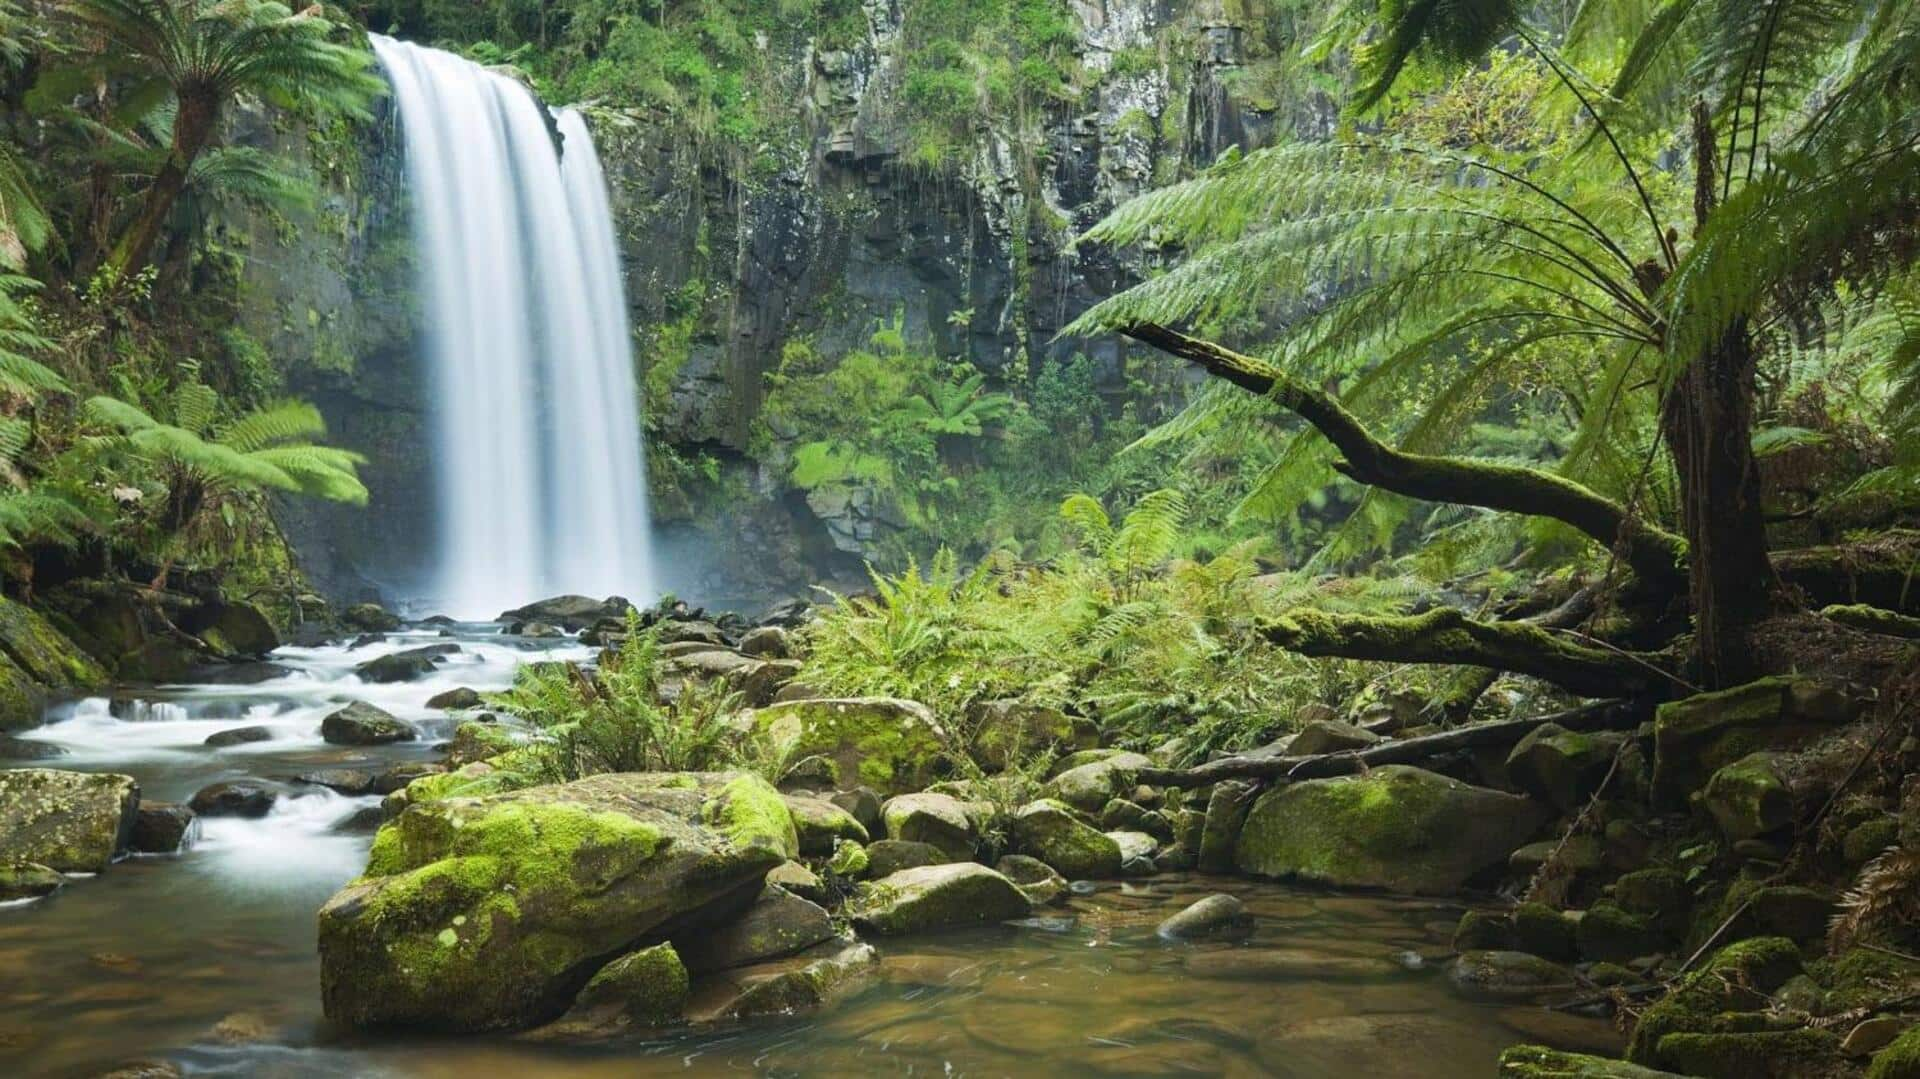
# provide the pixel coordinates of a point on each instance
(192, 128)
(1708, 426)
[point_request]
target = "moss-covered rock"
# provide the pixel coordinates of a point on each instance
(36, 658)
(1661, 896)
(1036, 878)
(939, 820)
(804, 983)
(1901, 1060)
(1008, 731)
(937, 897)
(891, 745)
(821, 825)
(72, 822)
(1609, 933)
(491, 912)
(1540, 1062)
(1748, 798)
(886, 857)
(1867, 839)
(1757, 1054)
(1048, 830)
(1397, 827)
(639, 991)
(1543, 931)
(1561, 767)
(1484, 931)
(1089, 787)
(1737, 979)
(28, 880)
(778, 924)
(1697, 736)
(848, 860)
(1507, 976)
(369, 618)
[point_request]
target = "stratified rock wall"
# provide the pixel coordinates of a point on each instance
(819, 235)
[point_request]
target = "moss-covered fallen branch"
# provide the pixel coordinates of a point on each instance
(1444, 635)
(1883, 571)
(1608, 715)
(1657, 556)
(1874, 620)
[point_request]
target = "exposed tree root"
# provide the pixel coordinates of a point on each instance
(1608, 715)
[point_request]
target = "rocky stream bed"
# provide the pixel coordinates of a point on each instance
(204, 961)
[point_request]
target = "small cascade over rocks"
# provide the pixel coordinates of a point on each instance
(539, 464)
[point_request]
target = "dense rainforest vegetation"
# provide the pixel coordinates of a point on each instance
(1493, 471)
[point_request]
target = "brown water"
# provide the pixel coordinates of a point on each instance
(207, 958)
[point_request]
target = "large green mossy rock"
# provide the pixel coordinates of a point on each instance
(1560, 766)
(1540, 1062)
(74, 822)
(36, 658)
(1736, 980)
(893, 746)
(1397, 827)
(1048, 830)
(937, 897)
(1748, 798)
(489, 913)
(938, 820)
(637, 992)
(1697, 736)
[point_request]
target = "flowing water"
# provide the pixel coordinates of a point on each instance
(539, 466)
(207, 958)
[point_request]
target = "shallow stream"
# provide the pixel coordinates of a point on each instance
(207, 958)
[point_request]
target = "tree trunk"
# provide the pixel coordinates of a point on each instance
(1708, 428)
(192, 129)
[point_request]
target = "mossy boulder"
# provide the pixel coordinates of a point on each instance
(1048, 830)
(1659, 895)
(1699, 735)
(1041, 883)
(939, 820)
(1752, 1054)
(821, 825)
(1901, 1060)
(369, 618)
(886, 857)
(1399, 828)
(1561, 767)
(27, 880)
(475, 741)
(1608, 933)
(1008, 731)
(806, 982)
(1739, 978)
(1543, 931)
(778, 924)
(71, 822)
(893, 746)
(36, 659)
(1748, 798)
(639, 991)
(490, 913)
(1540, 1062)
(1089, 787)
(936, 897)
(233, 629)
(1501, 975)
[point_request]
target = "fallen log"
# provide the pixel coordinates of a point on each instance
(1601, 716)
(1446, 636)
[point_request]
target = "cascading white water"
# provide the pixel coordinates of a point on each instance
(535, 413)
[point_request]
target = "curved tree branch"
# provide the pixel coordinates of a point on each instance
(1657, 556)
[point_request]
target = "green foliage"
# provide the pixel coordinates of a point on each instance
(614, 720)
(1122, 631)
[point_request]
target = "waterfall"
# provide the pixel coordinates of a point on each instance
(534, 412)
